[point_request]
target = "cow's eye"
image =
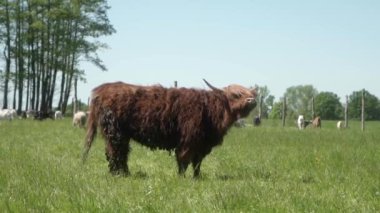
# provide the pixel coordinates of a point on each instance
(250, 100)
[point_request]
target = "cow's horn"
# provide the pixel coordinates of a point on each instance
(211, 86)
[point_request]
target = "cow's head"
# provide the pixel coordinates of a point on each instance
(241, 99)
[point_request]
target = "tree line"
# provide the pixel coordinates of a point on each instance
(327, 105)
(42, 43)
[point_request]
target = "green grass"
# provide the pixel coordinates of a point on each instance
(265, 169)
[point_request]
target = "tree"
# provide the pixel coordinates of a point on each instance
(266, 98)
(276, 112)
(328, 106)
(43, 41)
(19, 53)
(6, 22)
(269, 101)
(372, 106)
(80, 106)
(299, 100)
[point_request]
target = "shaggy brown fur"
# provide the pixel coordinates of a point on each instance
(190, 121)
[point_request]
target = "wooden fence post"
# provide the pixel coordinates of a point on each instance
(346, 113)
(363, 107)
(175, 84)
(75, 95)
(261, 106)
(312, 109)
(74, 105)
(283, 111)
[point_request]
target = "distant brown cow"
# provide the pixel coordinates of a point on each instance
(190, 121)
(317, 122)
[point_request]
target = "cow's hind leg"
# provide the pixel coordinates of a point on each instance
(117, 156)
(117, 143)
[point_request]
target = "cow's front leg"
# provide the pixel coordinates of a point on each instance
(196, 163)
(197, 159)
(182, 161)
(182, 167)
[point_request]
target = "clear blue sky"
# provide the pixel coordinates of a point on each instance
(333, 45)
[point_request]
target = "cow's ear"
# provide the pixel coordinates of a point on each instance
(254, 91)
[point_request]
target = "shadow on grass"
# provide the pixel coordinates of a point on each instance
(228, 177)
(141, 175)
(256, 174)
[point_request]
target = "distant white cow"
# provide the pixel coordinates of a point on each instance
(301, 122)
(240, 123)
(13, 112)
(339, 125)
(30, 113)
(6, 114)
(58, 115)
(79, 119)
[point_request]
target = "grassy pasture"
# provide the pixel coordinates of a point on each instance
(263, 169)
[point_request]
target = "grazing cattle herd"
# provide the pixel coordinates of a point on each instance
(189, 121)
(41, 115)
(6, 114)
(302, 123)
(79, 118)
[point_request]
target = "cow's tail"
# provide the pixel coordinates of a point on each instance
(92, 124)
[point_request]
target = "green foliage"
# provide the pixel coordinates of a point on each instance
(276, 112)
(328, 106)
(372, 106)
(298, 100)
(81, 107)
(265, 169)
(267, 101)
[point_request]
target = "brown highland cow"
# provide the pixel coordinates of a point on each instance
(190, 121)
(317, 122)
